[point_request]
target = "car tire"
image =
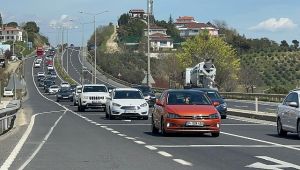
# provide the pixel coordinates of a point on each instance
(57, 100)
(298, 127)
(75, 103)
(82, 108)
(215, 134)
(144, 117)
(280, 131)
(78, 108)
(162, 128)
(110, 117)
(155, 130)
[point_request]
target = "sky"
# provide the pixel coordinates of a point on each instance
(275, 19)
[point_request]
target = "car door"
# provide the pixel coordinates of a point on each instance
(158, 111)
(283, 110)
(293, 114)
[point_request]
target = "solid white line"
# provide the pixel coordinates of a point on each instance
(126, 120)
(240, 106)
(163, 153)
(130, 138)
(250, 120)
(223, 146)
(140, 142)
(42, 143)
(151, 147)
(262, 141)
(183, 162)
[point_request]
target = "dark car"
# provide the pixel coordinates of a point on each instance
(64, 94)
(215, 96)
(40, 77)
(148, 93)
(47, 84)
(73, 87)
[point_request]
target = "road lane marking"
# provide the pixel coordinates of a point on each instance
(163, 153)
(278, 166)
(257, 121)
(110, 129)
(114, 131)
(130, 138)
(103, 126)
(120, 134)
(126, 120)
(42, 143)
(123, 124)
(240, 124)
(222, 146)
(183, 162)
(140, 142)
(240, 106)
(151, 147)
(98, 124)
(262, 141)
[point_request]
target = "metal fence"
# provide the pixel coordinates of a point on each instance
(8, 115)
(252, 96)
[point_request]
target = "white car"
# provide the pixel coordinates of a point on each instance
(37, 64)
(53, 89)
(39, 59)
(127, 102)
(50, 67)
(40, 74)
(65, 84)
(92, 96)
(288, 114)
(76, 93)
(8, 92)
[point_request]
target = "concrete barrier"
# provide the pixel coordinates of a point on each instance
(8, 115)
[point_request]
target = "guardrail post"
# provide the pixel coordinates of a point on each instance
(5, 125)
(256, 105)
(1, 131)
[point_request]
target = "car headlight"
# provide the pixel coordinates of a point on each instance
(85, 97)
(214, 116)
(144, 105)
(224, 105)
(173, 116)
(116, 104)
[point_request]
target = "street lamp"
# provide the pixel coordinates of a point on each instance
(95, 45)
(148, 44)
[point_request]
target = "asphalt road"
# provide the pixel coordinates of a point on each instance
(62, 138)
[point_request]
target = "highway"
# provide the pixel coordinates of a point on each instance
(62, 138)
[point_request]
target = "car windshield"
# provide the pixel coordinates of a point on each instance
(94, 89)
(128, 95)
(187, 98)
(213, 95)
(54, 87)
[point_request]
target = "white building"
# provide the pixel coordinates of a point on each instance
(188, 27)
(11, 34)
(158, 38)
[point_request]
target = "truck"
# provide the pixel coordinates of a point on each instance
(202, 75)
(39, 51)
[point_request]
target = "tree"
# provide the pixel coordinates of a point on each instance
(1, 20)
(205, 46)
(31, 27)
(124, 19)
(284, 44)
(249, 78)
(296, 44)
(12, 24)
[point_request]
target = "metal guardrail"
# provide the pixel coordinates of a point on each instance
(8, 115)
(252, 96)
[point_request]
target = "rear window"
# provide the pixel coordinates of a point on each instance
(213, 95)
(94, 89)
(187, 98)
(128, 95)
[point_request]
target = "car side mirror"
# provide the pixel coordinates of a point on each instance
(216, 104)
(293, 104)
(109, 91)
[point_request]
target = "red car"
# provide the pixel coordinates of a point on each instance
(49, 62)
(185, 111)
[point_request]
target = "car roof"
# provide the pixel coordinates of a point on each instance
(204, 89)
(184, 90)
(94, 85)
(126, 89)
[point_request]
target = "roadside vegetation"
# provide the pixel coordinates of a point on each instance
(61, 72)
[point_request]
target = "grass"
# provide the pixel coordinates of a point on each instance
(61, 72)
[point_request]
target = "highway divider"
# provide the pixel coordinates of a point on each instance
(8, 115)
(62, 73)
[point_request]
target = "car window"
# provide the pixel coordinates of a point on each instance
(187, 98)
(94, 89)
(295, 98)
(128, 95)
(213, 95)
(288, 99)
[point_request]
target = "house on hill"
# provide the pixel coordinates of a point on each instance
(188, 27)
(10, 34)
(137, 13)
(159, 40)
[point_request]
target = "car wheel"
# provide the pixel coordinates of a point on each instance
(57, 100)
(145, 118)
(154, 129)
(215, 134)
(162, 128)
(280, 131)
(82, 108)
(298, 129)
(111, 117)
(75, 103)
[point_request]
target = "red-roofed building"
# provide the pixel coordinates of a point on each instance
(10, 34)
(159, 38)
(188, 27)
(138, 13)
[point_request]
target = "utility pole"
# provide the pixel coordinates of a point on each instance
(148, 44)
(67, 50)
(95, 32)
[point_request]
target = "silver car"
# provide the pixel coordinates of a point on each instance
(288, 114)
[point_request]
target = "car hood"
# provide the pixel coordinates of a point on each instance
(129, 102)
(191, 109)
(65, 93)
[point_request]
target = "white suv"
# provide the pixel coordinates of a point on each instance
(92, 96)
(288, 114)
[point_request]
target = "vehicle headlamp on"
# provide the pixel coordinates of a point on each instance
(144, 105)
(214, 116)
(116, 104)
(173, 116)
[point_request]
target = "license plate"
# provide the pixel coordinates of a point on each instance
(65, 97)
(95, 101)
(194, 124)
(130, 111)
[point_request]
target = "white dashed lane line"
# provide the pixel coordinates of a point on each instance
(140, 142)
(163, 153)
(183, 162)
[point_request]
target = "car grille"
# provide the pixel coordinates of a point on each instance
(195, 117)
(96, 97)
(130, 107)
